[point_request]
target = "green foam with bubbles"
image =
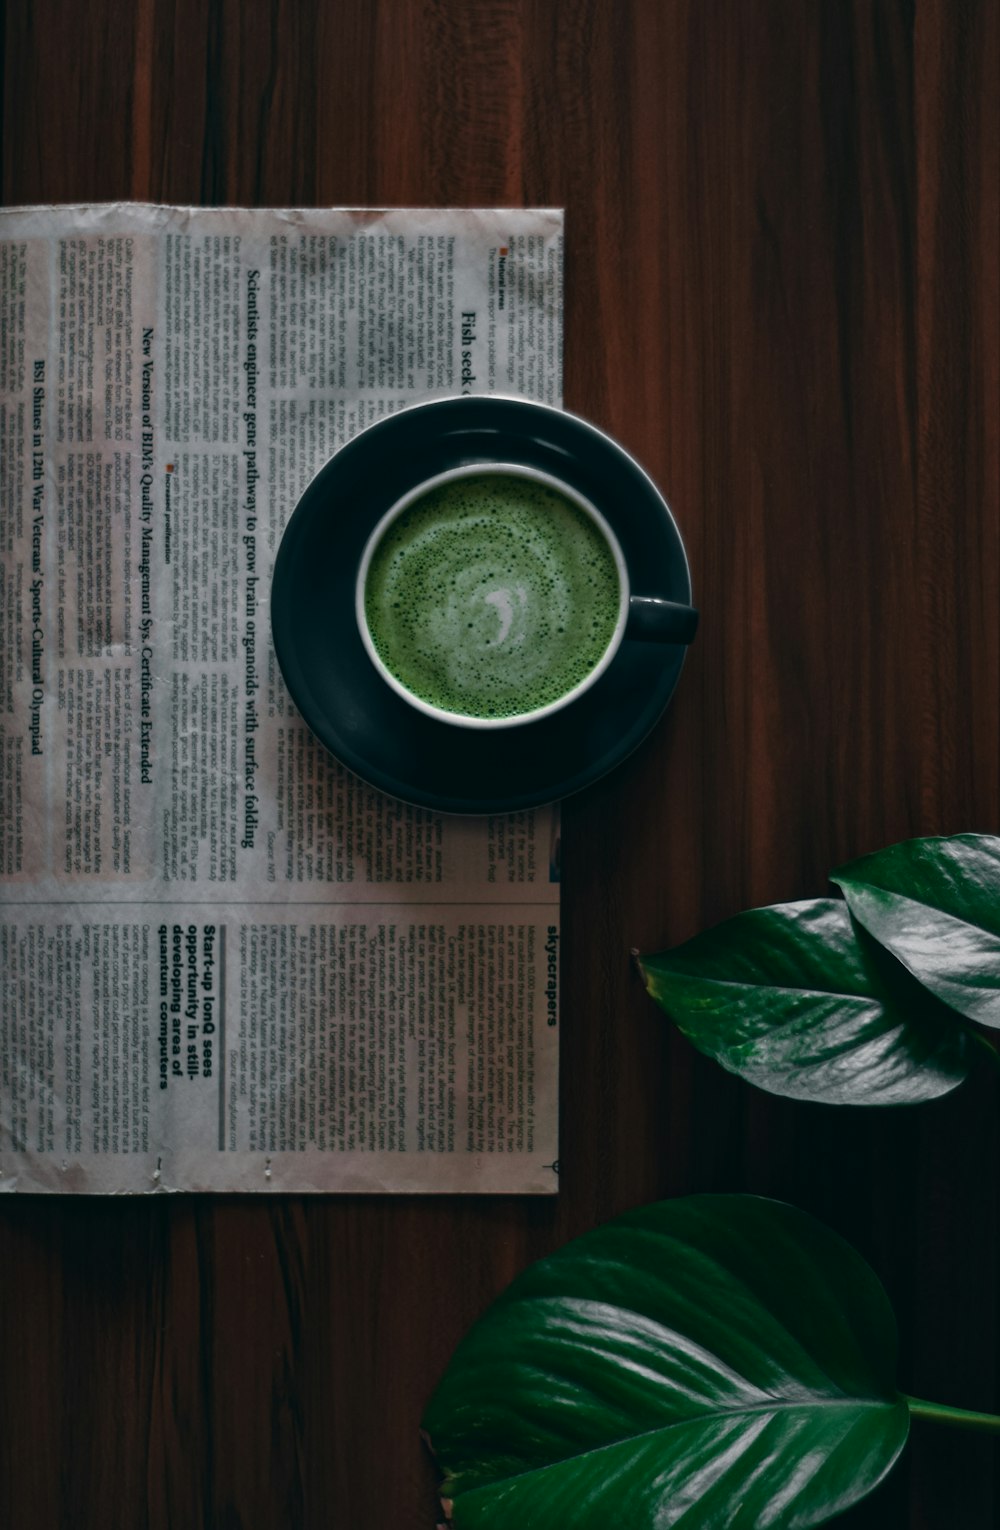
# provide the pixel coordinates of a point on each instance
(491, 596)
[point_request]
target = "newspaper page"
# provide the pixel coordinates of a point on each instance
(226, 963)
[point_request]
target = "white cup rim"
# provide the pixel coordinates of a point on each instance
(476, 470)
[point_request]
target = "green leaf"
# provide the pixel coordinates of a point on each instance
(935, 904)
(716, 1363)
(799, 1001)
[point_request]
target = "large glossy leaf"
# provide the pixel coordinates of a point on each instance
(799, 1001)
(714, 1363)
(935, 904)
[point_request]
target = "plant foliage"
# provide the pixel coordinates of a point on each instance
(935, 904)
(873, 999)
(715, 1363)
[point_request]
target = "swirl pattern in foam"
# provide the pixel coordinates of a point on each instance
(492, 596)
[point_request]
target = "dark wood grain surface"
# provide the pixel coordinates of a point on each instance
(782, 295)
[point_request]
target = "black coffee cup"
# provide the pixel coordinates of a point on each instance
(508, 612)
(338, 686)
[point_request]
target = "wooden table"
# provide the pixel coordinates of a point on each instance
(782, 295)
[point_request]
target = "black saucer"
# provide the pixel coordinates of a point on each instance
(332, 680)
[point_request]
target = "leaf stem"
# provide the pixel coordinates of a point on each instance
(959, 1418)
(984, 1041)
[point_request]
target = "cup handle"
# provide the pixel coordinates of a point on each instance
(652, 619)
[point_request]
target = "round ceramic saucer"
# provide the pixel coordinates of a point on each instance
(331, 678)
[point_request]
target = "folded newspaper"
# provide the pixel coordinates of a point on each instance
(212, 976)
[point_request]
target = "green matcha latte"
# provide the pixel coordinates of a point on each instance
(492, 596)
